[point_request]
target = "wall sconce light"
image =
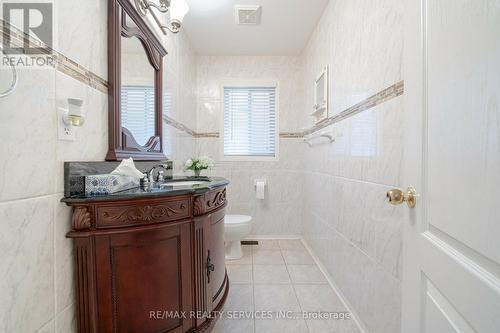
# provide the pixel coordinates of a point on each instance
(73, 116)
(178, 9)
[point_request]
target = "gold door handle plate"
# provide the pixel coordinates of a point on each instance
(397, 197)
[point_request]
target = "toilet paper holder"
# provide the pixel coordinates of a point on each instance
(260, 186)
(257, 181)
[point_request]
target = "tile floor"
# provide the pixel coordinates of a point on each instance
(279, 276)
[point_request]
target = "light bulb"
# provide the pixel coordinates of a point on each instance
(178, 9)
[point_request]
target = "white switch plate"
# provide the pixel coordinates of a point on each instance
(65, 132)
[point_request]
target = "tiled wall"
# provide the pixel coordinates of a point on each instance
(333, 194)
(179, 77)
(280, 212)
(36, 259)
(351, 228)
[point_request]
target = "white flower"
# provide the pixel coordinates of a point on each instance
(206, 162)
(200, 163)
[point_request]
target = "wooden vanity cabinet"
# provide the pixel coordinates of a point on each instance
(210, 237)
(150, 265)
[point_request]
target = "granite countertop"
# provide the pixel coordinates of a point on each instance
(153, 191)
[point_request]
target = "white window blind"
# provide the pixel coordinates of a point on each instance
(138, 111)
(250, 121)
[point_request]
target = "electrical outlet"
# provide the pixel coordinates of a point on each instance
(65, 132)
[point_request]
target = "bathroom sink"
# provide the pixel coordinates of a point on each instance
(188, 183)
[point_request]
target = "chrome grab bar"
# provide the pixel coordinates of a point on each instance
(328, 136)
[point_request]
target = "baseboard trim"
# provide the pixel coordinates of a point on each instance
(264, 237)
(335, 288)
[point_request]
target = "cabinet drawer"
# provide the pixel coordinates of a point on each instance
(209, 201)
(149, 212)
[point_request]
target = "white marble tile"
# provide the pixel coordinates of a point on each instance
(240, 273)
(380, 305)
(91, 142)
(332, 326)
(291, 244)
(242, 185)
(276, 219)
(318, 297)
(65, 321)
(372, 224)
(349, 226)
(267, 244)
(34, 249)
(245, 260)
(48, 327)
(283, 184)
(297, 257)
(292, 155)
(374, 293)
(341, 229)
(276, 215)
(267, 257)
(64, 274)
(82, 39)
(281, 325)
(240, 298)
(305, 274)
(212, 70)
(270, 274)
(344, 217)
(234, 326)
(359, 69)
(208, 114)
(28, 128)
(183, 147)
(27, 265)
(386, 167)
(180, 85)
(275, 297)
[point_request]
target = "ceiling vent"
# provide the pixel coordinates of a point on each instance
(248, 14)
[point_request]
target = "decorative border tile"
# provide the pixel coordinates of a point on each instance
(181, 127)
(60, 62)
(284, 135)
(208, 135)
(71, 68)
(382, 96)
(388, 93)
(291, 135)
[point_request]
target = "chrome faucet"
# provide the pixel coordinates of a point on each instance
(159, 177)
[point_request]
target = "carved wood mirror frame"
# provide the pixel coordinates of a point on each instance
(121, 141)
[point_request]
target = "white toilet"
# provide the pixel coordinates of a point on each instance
(235, 228)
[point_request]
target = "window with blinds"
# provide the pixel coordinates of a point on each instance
(250, 121)
(138, 111)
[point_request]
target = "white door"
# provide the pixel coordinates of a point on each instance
(451, 268)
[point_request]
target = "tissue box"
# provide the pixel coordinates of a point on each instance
(107, 184)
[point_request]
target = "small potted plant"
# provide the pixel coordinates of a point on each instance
(199, 164)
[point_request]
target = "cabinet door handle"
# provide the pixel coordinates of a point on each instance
(210, 266)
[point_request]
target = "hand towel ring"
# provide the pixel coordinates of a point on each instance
(14, 80)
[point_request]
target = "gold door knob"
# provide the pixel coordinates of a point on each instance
(397, 197)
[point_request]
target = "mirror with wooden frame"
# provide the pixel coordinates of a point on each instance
(135, 61)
